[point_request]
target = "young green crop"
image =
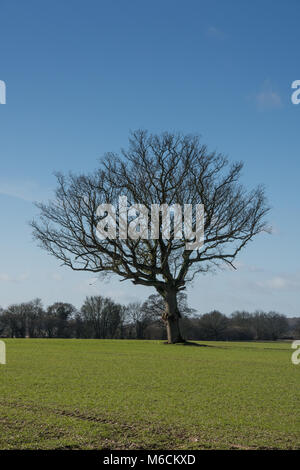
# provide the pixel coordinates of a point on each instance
(114, 394)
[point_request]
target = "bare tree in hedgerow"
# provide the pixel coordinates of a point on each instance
(164, 169)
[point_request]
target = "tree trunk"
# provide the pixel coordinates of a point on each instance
(172, 318)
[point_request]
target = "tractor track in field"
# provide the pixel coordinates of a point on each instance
(67, 413)
(130, 431)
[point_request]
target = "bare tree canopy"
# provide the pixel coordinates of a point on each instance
(100, 317)
(102, 314)
(156, 169)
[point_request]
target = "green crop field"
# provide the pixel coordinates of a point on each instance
(114, 394)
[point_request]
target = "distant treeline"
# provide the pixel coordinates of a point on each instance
(101, 317)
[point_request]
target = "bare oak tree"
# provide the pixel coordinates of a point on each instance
(156, 169)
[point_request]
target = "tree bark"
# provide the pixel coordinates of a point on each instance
(172, 318)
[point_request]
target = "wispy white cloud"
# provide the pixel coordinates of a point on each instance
(56, 277)
(281, 283)
(26, 190)
(275, 229)
(267, 98)
(4, 277)
(240, 266)
(214, 32)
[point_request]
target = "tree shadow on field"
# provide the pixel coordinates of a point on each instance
(189, 343)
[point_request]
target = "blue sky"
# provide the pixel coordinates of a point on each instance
(81, 74)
